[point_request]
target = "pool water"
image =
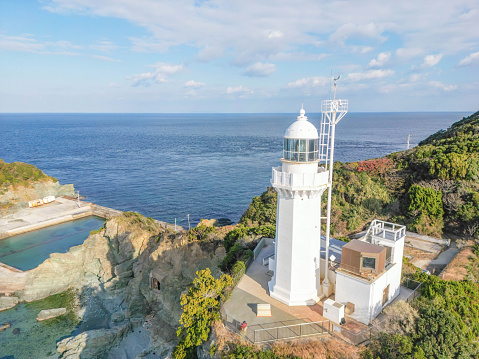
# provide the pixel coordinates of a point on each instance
(26, 251)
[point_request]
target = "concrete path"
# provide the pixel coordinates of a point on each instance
(436, 265)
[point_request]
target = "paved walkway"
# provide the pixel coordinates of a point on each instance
(252, 290)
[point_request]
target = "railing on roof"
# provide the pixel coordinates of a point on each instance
(386, 230)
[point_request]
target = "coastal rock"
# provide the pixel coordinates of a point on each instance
(92, 343)
(50, 313)
(113, 272)
(8, 302)
(16, 198)
(4, 326)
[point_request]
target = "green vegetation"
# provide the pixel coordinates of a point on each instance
(443, 323)
(145, 223)
(200, 306)
(261, 211)
(200, 232)
(20, 174)
(65, 299)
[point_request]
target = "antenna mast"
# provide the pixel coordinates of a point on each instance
(332, 112)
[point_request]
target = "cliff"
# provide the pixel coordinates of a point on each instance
(113, 272)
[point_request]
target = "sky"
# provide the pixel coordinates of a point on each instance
(258, 56)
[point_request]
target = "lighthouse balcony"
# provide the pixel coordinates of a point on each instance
(299, 181)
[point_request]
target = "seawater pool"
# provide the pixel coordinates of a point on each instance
(26, 251)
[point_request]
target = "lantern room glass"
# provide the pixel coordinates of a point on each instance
(300, 150)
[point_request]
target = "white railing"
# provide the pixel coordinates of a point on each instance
(299, 180)
(386, 230)
(334, 106)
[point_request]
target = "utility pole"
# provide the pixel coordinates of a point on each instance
(175, 224)
(408, 138)
(189, 227)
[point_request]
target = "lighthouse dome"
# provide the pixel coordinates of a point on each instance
(301, 141)
(301, 128)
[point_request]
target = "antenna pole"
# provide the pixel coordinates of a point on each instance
(408, 138)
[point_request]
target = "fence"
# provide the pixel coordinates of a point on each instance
(415, 286)
(264, 241)
(293, 331)
(257, 334)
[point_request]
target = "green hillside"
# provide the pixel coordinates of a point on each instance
(20, 174)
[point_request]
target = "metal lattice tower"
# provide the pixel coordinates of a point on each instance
(332, 112)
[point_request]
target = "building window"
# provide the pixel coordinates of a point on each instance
(369, 263)
(155, 284)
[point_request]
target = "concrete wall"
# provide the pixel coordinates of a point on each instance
(367, 297)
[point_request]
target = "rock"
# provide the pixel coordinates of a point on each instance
(16, 331)
(50, 313)
(8, 302)
(4, 326)
(92, 343)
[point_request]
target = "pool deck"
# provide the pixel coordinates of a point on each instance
(30, 219)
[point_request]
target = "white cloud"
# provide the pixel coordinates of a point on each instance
(415, 77)
(194, 84)
(368, 75)
(431, 60)
(442, 86)
(298, 56)
(383, 59)
(113, 85)
(470, 60)
(160, 75)
(309, 82)
(351, 30)
(104, 58)
(260, 70)
(239, 90)
(275, 35)
(407, 53)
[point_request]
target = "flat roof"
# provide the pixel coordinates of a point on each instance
(366, 247)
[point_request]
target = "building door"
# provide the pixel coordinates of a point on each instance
(385, 295)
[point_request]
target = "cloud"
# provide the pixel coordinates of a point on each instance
(104, 58)
(20, 43)
(470, 60)
(431, 60)
(441, 86)
(160, 75)
(298, 56)
(407, 53)
(351, 30)
(194, 84)
(383, 59)
(103, 46)
(113, 85)
(309, 82)
(368, 75)
(239, 90)
(260, 70)
(275, 35)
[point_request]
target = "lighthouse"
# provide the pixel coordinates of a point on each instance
(299, 182)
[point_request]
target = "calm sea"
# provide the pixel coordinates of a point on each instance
(169, 165)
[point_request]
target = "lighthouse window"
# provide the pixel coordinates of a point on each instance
(300, 150)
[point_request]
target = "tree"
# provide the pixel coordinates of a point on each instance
(200, 306)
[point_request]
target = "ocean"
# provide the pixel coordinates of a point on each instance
(167, 166)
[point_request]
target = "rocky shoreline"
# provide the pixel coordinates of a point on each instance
(128, 278)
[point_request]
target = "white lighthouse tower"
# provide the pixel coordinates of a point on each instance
(299, 182)
(306, 172)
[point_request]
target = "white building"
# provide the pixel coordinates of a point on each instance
(369, 276)
(299, 182)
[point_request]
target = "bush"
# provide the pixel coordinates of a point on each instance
(425, 206)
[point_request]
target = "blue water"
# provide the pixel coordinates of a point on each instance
(169, 165)
(28, 250)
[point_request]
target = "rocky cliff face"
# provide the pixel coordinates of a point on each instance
(17, 197)
(114, 271)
